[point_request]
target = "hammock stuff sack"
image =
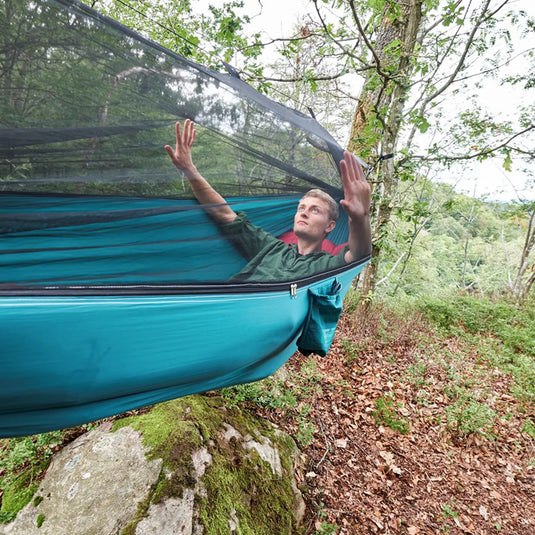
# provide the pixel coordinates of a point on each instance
(114, 282)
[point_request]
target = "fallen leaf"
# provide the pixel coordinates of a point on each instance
(389, 459)
(387, 456)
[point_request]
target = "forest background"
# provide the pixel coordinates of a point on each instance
(421, 419)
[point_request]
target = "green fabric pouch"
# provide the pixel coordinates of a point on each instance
(324, 312)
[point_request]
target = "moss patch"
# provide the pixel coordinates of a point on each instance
(17, 493)
(240, 486)
(23, 461)
(40, 520)
(259, 502)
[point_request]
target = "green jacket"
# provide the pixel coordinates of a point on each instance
(272, 260)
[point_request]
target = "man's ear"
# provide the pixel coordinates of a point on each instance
(330, 226)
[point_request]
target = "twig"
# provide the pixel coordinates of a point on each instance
(322, 427)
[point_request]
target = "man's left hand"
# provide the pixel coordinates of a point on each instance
(357, 191)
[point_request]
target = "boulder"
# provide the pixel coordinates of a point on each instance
(190, 466)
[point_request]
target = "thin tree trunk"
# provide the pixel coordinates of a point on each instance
(469, 222)
(388, 95)
(520, 289)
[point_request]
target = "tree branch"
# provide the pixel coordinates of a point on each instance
(467, 47)
(385, 278)
(453, 76)
(366, 42)
(331, 36)
(481, 153)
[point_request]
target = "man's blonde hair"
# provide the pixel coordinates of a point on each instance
(332, 205)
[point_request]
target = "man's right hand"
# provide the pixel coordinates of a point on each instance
(181, 155)
(215, 204)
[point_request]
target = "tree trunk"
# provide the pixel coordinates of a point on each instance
(520, 287)
(389, 95)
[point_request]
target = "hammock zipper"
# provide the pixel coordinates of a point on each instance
(293, 290)
(103, 290)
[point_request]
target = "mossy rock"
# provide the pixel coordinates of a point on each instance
(209, 469)
(247, 482)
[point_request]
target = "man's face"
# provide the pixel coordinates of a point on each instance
(312, 219)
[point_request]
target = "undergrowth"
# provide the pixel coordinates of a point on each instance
(386, 413)
(500, 332)
(287, 395)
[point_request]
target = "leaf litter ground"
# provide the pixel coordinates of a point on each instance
(413, 435)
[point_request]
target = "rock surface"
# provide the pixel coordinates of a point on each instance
(92, 486)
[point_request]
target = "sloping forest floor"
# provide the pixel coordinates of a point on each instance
(409, 428)
(420, 421)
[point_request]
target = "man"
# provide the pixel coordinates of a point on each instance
(270, 259)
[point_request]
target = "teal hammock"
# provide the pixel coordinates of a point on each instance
(113, 280)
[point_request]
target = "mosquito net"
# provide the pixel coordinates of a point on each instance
(88, 196)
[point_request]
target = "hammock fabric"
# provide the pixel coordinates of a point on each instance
(113, 290)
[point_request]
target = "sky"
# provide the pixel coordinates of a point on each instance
(276, 18)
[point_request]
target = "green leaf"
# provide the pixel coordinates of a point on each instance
(507, 162)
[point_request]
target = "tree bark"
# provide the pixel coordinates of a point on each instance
(389, 95)
(520, 287)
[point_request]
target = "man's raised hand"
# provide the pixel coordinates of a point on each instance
(181, 155)
(356, 203)
(357, 191)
